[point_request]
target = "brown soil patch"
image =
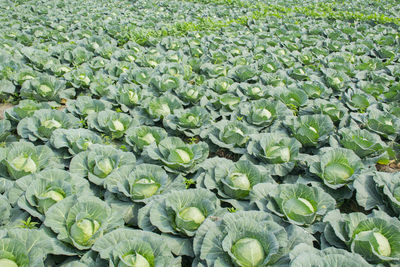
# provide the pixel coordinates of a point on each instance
(4, 106)
(224, 153)
(393, 166)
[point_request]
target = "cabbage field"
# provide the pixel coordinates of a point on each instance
(199, 133)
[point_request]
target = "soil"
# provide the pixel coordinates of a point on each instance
(224, 153)
(351, 205)
(393, 166)
(3, 107)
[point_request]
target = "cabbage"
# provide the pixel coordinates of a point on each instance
(248, 252)
(83, 230)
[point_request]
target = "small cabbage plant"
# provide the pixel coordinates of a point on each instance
(311, 130)
(221, 85)
(232, 135)
(25, 74)
(130, 187)
(43, 122)
(128, 247)
(277, 152)
(80, 220)
(129, 96)
(364, 143)
(333, 108)
(101, 85)
(188, 121)
(110, 122)
(336, 80)
(337, 167)
(158, 108)
(50, 186)
(315, 89)
(357, 100)
(253, 91)
(375, 236)
(304, 255)
(191, 93)
(82, 106)
(243, 73)
(379, 190)
(141, 182)
(293, 98)
(99, 161)
(165, 82)
(381, 122)
(176, 155)
(223, 104)
(22, 158)
(74, 140)
(142, 136)
(46, 88)
(82, 76)
(25, 108)
(384, 124)
(28, 247)
(297, 203)
(233, 180)
(245, 238)
(262, 113)
(179, 212)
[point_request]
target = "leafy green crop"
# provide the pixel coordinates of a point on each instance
(199, 133)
